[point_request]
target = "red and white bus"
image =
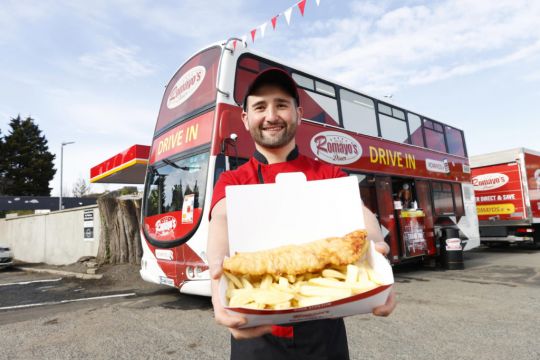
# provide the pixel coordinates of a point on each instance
(199, 134)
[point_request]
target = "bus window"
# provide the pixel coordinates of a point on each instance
(454, 139)
(443, 203)
(415, 127)
(318, 100)
(358, 113)
(434, 137)
(325, 89)
(319, 108)
(385, 109)
(392, 123)
(458, 198)
(393, 129)
(170, 188)
(303, 81)
(368, 193)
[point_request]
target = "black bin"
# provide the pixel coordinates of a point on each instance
(451, 250)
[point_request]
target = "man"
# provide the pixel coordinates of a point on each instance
(271, 115)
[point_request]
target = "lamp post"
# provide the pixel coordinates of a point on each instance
(62, 170)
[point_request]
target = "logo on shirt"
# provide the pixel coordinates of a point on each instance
(335, 147)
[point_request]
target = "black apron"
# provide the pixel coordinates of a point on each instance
(314, 340)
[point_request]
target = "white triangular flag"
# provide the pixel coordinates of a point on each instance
(318, 2)
(263, 29)
(244, 40)
(288, 13)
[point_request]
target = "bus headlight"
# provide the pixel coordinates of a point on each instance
(190, 272)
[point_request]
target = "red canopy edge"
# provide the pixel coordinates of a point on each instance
(126, 167)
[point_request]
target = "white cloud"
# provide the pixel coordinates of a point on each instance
(116, 63)
(418, 44)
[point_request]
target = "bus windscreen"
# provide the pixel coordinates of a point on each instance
(175, 194)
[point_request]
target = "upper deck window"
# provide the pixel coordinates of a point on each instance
(318, 100)
(358, 113)
(415, 127)
(392, 123)
(434, 135)
(192, 88)
(454, 139)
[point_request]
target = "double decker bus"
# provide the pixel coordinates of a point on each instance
(412, 171)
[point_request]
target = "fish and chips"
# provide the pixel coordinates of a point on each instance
(294, 276)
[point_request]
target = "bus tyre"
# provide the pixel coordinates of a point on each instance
(536, 237)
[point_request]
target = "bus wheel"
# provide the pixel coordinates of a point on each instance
(536, 237)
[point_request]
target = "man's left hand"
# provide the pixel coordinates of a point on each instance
(388, 307)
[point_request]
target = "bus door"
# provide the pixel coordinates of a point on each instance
(410, 218)
(423, 194)
(387, 218)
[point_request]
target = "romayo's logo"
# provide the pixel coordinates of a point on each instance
(489, 181)
(165, 225)
(336, 148)
(186, 86)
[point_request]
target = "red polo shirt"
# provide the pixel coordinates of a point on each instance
(258, 171)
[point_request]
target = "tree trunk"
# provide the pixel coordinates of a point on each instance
(120, 240)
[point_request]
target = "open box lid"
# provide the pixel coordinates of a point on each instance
(291, 211)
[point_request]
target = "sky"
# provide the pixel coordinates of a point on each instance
(94, 72)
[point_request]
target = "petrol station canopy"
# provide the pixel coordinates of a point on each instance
(126, 167)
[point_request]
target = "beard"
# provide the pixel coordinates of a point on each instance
(277, 140)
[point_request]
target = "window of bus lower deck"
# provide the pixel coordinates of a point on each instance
(368, 191)
(176, 187)
(443, 199)
(317, 97)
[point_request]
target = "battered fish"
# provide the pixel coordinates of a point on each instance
(300, 259)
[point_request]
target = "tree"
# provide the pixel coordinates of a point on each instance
(28, 166)
(81, 188)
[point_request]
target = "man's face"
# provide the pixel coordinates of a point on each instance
(271, 117)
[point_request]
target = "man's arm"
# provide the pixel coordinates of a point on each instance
(217, 249)
(374, 233)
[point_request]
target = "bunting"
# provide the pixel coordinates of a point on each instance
(259, 31)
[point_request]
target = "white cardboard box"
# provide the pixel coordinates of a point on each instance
(296, 211)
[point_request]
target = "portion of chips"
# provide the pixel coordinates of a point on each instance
(280, 292)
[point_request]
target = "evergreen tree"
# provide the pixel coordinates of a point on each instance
(28, 163)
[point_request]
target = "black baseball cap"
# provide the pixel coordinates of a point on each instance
(273, 76)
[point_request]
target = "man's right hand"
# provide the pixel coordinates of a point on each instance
(233, 322)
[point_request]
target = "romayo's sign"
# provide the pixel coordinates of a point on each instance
(437, 166)
(165, 225)
(489, 181)
(186, 86)
(335, 147)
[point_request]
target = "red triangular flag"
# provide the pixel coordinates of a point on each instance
(234, 44)
(274, 20)
(253, 34)
(301, 6)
